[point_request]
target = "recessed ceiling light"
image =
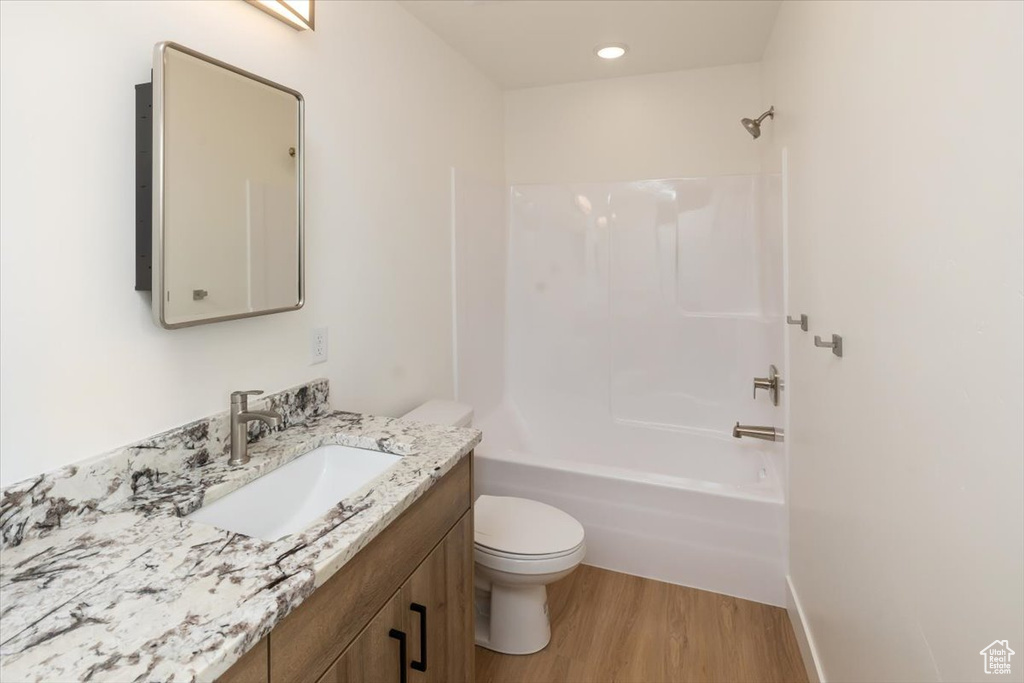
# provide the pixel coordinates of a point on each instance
(613, 51)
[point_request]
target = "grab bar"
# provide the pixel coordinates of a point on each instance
(756, 432)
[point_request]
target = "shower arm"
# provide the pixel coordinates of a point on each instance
(769, 114)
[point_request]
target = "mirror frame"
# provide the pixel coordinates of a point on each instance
(159, 296)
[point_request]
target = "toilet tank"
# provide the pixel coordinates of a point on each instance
(437, 411)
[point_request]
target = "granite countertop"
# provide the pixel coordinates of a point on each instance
(124, 588)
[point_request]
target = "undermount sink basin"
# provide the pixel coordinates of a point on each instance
(288, 499)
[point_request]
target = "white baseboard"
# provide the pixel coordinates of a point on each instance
(804, 638)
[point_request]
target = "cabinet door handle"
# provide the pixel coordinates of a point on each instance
(422, 611)
(400, 637)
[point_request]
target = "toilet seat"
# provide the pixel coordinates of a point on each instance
(529, 565)
(519, 556)
(526, 537)
(522, 527)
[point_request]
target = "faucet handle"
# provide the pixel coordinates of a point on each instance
(242, 397)
(773, 383)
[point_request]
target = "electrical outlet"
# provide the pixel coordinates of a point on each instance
(318, 346)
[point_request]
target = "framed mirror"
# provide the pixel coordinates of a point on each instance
(227, 191)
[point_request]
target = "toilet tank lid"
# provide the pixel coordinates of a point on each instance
(524, 527)
(440, 412)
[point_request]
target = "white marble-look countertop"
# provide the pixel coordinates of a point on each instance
(139, 593)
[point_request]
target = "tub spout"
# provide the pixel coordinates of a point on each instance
(756, 432)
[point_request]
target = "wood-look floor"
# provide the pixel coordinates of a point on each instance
(607, 627)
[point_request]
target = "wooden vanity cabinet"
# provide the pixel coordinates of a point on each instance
(414, 581)
(376, 654)
(429, 609)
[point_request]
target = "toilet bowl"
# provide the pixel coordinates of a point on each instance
(520, 546)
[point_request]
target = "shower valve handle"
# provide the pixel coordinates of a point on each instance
(773, 383)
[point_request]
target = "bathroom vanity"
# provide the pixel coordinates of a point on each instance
(106, 573)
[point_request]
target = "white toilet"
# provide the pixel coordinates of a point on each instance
(520, 546)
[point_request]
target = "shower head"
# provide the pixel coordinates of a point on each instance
(753, 126)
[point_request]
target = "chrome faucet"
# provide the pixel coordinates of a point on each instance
(766, 433)
(241, 416)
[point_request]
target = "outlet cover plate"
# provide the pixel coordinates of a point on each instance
(318, 346)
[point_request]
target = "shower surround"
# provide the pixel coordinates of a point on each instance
(638, 314)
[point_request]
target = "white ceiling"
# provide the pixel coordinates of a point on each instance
(526, 43)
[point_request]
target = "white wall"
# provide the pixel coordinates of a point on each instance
(902, 123)
(672, 125)
(389, 110)
(478, 228)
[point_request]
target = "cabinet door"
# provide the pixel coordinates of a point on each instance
(438, 598)
(425, 602)
(375, 656)
(461, 632)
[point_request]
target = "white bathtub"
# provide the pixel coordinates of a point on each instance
(682, 506)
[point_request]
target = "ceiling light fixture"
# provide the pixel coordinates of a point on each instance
(612, 51)
(296, 13)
